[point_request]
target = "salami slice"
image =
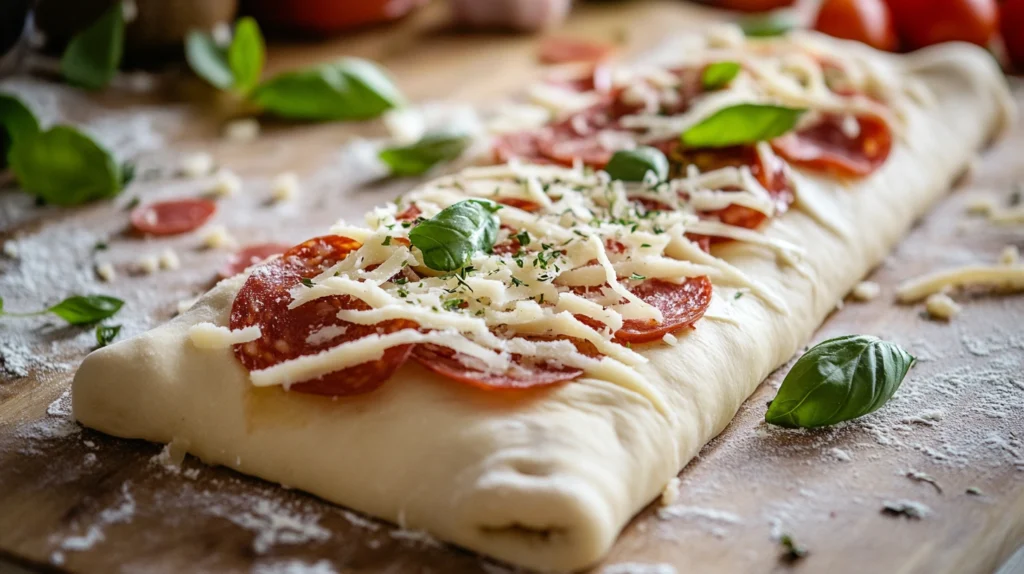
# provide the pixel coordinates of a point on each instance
(830, 147)
(681, 305)
(313, 327)
(248, 256)
(521, 375)
(172, 217)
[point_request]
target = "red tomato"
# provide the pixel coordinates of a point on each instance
(753, 5)
(867, 21)
(327, 16)
(172, 217)
(1011, 20)
(923, 23)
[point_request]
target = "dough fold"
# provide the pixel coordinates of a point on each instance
(548, 479)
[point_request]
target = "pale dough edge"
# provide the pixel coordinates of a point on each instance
(545, 483)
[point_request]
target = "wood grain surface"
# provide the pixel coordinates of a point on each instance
(75, 500)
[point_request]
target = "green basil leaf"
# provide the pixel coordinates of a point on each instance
(94, 54)
(17, 123)
(419, 157)
(771, 24)
(105, 334)
(451, 238)
(742, 124)
(208, 60)
(348, 89)
(718, 75)
(62, 166)
(838, 380)
(633, 165)
(86, 309)
(246, 55)
(1, 305)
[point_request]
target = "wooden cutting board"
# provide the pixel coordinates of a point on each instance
(75, 500)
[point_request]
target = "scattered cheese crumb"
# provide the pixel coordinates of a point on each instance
(866, 291)
(406, 125)
(196, 165)
(210, 336)
(222, 34)
(285, 186)
(941, 306)
(1010, 255)
(242, 130)
(169, 259)
(105, 271)
(1008, 216)
(11, 248)
(981, 206)
(218, 237)
(1000, 277)
(670, 339)
(148, 264)
(840, 454)
(226, 183)
(670, 494)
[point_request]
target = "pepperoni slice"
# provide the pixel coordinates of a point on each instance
(681, 305)
(520, 375)
(825, 146)
(172, 217)
(310, 328)
(519, 145)
(554, 50)
(409, 214)
(248, 256)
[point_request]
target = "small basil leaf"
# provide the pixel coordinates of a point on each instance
(348, 89)
(105, 334)
(633, 165)
(208, 60)
(419, 157)
(742, 124)
(718, 75)
(838, 380)
(86, 309)
(94, 54)
(127, 173)
(451, 238)
(771, 24)
(17, 123)
(62, 166)
(246, 55)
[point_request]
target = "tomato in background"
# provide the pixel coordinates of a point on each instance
(867, 21)
(327, 16)
(923, 23)
(751, 5)
(1011, 21)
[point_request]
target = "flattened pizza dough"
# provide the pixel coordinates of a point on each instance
(548, 479)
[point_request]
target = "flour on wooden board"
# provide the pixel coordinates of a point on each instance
(95, 532)
(294, 567)
(273, 524)
(638, 568)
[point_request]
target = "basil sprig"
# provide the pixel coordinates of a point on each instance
(94, 54)
(61, 165)
(347, 89)
(837, 380)
(450, 239)
(77, 309)
(718, 75)
(742, 124)
(634, 164)
(238, 66)
(430, 150)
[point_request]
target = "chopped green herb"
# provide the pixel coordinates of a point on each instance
(637, 277)
(974, 491)
(307, 282)
(791, 550)
(387, 241)
(645, 245)
(105, 334)
(516, 282)
(452, 304)
(523, 237)
(100, 246)
(738, 295)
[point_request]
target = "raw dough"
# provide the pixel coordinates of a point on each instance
(546, 480)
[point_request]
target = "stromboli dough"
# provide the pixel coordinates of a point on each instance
(545, 480)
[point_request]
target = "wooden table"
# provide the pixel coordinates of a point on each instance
(77, 500)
